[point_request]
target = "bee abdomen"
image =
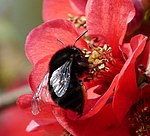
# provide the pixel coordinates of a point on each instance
(73, 102)
(73, 99)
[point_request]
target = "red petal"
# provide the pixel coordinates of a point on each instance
(43, 40)
(24, 101)
(13, 123)
(146, 91)
(79, 6)
(91, 83)
(127, 92)
(34, 125)
(38, 72)
(50, 125)
(98, 105)
(56, 9)
(103, 123)
(145, 57)
(126, 50)
(109, 19)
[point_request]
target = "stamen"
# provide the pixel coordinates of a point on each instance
(99, 59)
(139, 117)
(99, 55)
(78, 21)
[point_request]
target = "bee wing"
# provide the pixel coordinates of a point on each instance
(60, 79)
(41, 94)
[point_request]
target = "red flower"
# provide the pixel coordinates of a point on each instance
(114, 86)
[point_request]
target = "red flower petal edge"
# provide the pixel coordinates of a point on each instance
(43, 40)
(38, 72)
(96, 107)
(79, 6)
(53, 9)
(127, 92)
(50, 125)
(13, 122)
(110, 21)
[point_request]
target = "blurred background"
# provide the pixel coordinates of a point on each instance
(17, 19)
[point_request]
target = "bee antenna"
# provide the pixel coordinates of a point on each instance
(61, 42)
(80, 36)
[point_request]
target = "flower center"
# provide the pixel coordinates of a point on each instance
(139, 119)
(102, 65)
(100, 58)
(79, 21)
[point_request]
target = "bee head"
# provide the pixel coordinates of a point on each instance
(80, 63)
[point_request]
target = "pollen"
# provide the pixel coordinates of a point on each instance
(78, 21)
(99, 58)
(140, 120)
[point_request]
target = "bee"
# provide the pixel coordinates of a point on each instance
(63, 80)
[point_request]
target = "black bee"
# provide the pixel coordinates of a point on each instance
(63, 80)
